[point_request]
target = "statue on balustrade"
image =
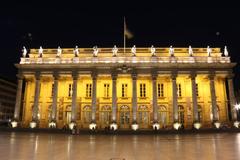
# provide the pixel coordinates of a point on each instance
(24, 52)
(95, 51)
(190, 51)
(134, 50)
(153, 51)
(171, 51)
(209, 51)
(59, 52)
(225, 51)
(76, 51)
(40, 52)
(114, 51)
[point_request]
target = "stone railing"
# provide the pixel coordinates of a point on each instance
(194, 59)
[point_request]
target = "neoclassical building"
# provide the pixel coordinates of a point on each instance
(125, 87)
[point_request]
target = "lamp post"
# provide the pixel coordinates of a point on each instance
(237, 108)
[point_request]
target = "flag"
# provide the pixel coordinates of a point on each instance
(127, 33)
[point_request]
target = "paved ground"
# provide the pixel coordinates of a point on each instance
(44, 146)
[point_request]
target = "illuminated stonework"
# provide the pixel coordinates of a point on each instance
(122, 89)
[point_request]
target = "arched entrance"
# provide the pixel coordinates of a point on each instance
(68, 114)
(124, 116)
(217, 113)
(105, 116)
(143, 116)
(200, 118)
(181, 114)
(162, 115)
(86, 114)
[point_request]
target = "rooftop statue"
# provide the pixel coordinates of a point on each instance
(95, 51)
(40, 52)
(114, 51)
(171, 51)
(225, 51)
(76, 51)
(59, 52)
(24, 52)
(153, 50)
(209, 51)
(190, 51)
(133, 50)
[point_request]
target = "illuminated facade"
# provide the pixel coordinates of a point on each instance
(161, 86)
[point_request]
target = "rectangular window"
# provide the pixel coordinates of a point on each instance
(88, 90)
(52, 94)
(179, 90)
(142, 90)
(197, 93)
(106, 90)
(124, 90)
(160, 90)
(70, 90)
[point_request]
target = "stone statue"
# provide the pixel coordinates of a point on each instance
(40, 52)
(190, 51)
(209, 51)
(114, 51)
(171, 51)
(95, 51)
(153, 50)
(76, 51)
(59, 52)
(133, 50)
(24, 52)
(225, 51)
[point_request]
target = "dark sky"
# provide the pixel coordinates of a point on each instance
(90, 23)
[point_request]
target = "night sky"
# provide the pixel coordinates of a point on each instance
(101, 24)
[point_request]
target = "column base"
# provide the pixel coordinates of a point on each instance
(14, 124)
(92, 126)
(72, 125)
(177, 125)
(156, 126)
(236, 124)
(113, 126)
(197, 125)
(134, 126)
(217, 124)
(52, 124)
(33, 124)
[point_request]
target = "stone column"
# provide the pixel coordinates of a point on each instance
(232, 98)
(55, 97)
(194, 98)
(74, 97)
(94, 97)
(114, 97)
(154, 96)
(213, 97)
(36, 98)
(174, 97)
(134, 97)
(18, 98)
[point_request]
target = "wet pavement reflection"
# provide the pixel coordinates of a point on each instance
(41, 146)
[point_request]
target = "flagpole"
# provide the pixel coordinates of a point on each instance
(124, 38)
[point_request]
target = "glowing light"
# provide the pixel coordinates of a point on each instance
(197, 125)
(156, 126)
(217, 125)
(236, 124)
(52, 125)
(237, 106)
(33, 124)
(113, 126)
(177, 125)
(14, 124)
(134, 126)
(71, 125)
(92, 126)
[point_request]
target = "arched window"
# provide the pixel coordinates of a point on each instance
(87, 114)
(181, 114)
(105, 114)
(162, 115)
